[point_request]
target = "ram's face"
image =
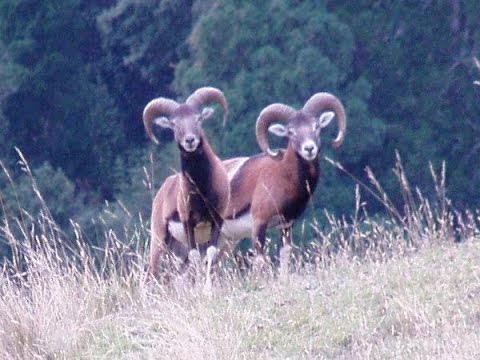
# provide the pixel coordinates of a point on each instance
(303, 133)
(187, 126)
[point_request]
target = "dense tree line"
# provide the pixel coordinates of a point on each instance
(75, 76)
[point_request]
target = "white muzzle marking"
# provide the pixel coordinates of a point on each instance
(309, 150)
(190, 146)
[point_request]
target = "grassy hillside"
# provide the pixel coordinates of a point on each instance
(425, 304)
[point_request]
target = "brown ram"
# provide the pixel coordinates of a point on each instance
(198, 196)
(272, 189)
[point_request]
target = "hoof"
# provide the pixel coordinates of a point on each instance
(194, 256)
(212, 253)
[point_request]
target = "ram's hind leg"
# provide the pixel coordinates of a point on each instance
(158, 244)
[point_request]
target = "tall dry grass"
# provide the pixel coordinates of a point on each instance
(406, 285)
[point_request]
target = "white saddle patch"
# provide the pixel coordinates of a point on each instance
(232, 170)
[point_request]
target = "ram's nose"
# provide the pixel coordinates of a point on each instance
(189, 140)
(309, 149)
(190, 143)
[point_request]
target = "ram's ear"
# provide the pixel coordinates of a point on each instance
(278, 129)
(207, 112)
(326, 118)
(164, 122)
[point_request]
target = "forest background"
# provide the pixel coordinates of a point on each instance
(75, 76)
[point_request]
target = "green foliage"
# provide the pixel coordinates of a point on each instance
(61, 112)
(421, 70)
(140, 41)
(141, 173)
(10, 73)
(3, 131)
(45, 191)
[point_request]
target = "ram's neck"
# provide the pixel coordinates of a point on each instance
(307, 172)
(302, 177)
(197, 166)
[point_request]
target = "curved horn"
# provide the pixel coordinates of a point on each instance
(274, 112)
(208, 94)
(155, 108)
(323, 101)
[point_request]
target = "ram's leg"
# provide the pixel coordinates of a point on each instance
(194, 258)
(189, 229)
(259, 232)
(216, 227)
(155, 251)
(285, 252)
(212, 251)
(157, 247)
(194, 254)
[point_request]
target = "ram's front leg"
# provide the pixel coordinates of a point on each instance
(189, 229)
(259, 233)
(216, 227)
(212, 250)
(285, 252)
(194, 258)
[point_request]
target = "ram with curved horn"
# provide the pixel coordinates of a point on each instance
(273, 189)
(196, 198)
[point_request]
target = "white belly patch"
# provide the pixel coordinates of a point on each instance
(233, 230)
(239, 228)
(202, 232)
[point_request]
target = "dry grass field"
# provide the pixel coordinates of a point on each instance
(399, 287)
(423, 304)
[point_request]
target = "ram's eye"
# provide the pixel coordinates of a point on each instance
(291, 132)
